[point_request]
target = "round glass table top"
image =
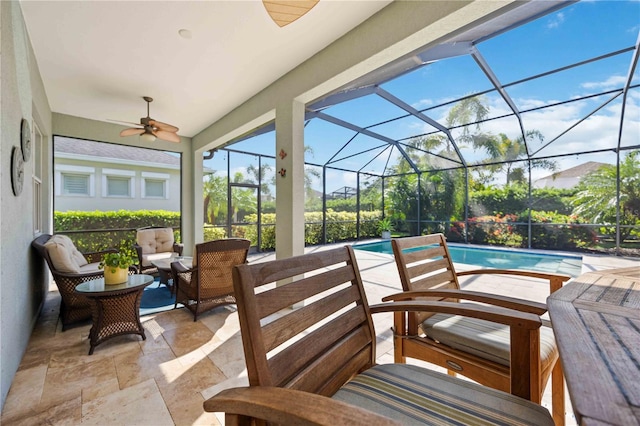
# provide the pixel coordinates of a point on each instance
(98, 285)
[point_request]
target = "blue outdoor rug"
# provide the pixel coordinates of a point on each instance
(156, 299)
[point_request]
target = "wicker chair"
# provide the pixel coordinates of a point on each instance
(208, 283)
(152, 243)
(73, 306)
(477, 349)
(315, 363)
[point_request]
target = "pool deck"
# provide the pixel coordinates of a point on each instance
(380, 278)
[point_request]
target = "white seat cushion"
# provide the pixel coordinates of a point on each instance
(90, 268)
(155, 240)
(148, 258)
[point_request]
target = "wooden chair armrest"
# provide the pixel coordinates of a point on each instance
(510, 317)
(96, 256)
(287, 407)
(492, 299)
(555, 280)
(524, 333)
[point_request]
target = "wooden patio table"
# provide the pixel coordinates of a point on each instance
(596, 321)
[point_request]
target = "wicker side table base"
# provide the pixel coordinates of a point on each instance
(115, 309)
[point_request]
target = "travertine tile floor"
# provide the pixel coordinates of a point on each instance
(165, 379)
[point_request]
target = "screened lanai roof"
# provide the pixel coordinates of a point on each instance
(548, 80)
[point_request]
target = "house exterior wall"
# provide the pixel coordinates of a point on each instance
(23, 277)
(559, 183)
(98, 198)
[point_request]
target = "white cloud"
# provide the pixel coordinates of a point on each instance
(615, 81)
(556, 20)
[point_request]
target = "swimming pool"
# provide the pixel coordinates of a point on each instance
(499, 258)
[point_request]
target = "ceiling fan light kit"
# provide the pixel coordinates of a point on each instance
(147, 137)
(150, 129)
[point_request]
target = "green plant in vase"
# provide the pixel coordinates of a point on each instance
(385, 226)
(116, 267)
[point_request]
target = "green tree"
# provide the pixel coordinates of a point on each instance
(259, 175)
(596, 198)
(215, 199)
(511, 151)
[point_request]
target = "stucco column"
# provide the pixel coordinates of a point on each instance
(290, 187)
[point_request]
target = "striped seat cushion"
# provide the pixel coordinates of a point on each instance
(485, 339)
(414, 395)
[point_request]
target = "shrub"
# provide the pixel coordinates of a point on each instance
(111, 229)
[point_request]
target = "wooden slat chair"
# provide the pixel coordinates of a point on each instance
(209, 283)
(477, 349)
(309, 346)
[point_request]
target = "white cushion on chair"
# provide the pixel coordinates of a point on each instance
(148, 258)
(64, 254)
(155, 240)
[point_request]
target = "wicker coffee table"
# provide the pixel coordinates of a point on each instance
(164, 269)
(115, 308)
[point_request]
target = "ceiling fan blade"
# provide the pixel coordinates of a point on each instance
(131, 132)
(285, 12)
(163, 126)
(167, 136)
(124, 122)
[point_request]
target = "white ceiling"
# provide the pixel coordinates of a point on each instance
(98, 58)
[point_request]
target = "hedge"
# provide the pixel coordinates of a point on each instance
(111, 229)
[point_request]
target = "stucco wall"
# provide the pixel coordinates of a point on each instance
(22, 275)
(98, 201)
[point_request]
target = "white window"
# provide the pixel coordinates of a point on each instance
(36, 152)
(118, 186)
(154, 188)
(118, 183)
(75, 181)
(73, 184)
(155, 185)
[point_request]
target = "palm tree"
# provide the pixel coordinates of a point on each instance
(511, 151)
(596, 199)
(258, 175)
(215, 198)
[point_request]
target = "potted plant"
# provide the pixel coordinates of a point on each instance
(385, 227)
(116, 267)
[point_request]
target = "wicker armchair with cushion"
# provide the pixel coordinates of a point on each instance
(477, 349)
(69, 268)
(154, 243)
(208, 283)
(315, 363)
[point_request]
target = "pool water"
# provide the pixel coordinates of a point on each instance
(499, 258)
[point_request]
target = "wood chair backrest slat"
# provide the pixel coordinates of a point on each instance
(428, 252)
(304, 347)
(284, 296)
(418, 257)
(439, 266)
(286, 327)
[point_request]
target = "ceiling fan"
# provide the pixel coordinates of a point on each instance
(151, 129)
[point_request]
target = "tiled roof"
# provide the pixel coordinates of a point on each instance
(580, 170)
(110, 150)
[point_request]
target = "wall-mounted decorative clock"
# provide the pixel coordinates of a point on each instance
(17, 170)
(25, 139)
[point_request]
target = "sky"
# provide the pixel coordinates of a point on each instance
(579, 32)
